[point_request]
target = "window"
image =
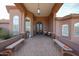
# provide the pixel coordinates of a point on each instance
(15, 25)
(76, 27)
(28, 24)
(65, 31)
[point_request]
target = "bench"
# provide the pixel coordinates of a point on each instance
(11, 48)
(15, 45)
(65, 50)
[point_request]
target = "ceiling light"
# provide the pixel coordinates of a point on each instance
(38, 9)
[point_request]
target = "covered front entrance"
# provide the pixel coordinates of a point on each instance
(39, 28)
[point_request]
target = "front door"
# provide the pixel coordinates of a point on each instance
(39, 28)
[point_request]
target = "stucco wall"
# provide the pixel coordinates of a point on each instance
(58, 28)
(70, 21)
(52, 23)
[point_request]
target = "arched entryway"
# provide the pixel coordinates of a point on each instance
(39, 28)
(28, 26)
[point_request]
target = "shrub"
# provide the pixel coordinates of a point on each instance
(4, 34)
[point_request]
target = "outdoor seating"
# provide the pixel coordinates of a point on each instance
(65, 50)
(8, 46)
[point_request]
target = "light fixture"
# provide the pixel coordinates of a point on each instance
(38, 9)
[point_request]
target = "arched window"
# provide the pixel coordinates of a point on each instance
(28, 24)
(65, 30)
(15, 25)
(76, 28)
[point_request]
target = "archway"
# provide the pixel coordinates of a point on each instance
(28, 26)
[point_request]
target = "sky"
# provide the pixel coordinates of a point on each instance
(3, 11)
(68, 8)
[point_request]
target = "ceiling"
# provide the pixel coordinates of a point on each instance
(45, 8)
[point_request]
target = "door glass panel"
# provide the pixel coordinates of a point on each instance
(37, 27)
(41, 27)
(28, 26)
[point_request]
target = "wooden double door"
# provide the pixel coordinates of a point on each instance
(39, 28)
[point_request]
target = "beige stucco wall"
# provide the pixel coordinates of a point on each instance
(58, 28)
(70, 21)
(52, 23)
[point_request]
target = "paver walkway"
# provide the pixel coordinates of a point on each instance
(38, 46)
